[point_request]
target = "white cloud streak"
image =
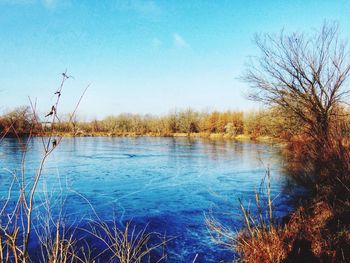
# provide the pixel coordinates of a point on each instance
(179, 41)
(50, 3)
(156, 42)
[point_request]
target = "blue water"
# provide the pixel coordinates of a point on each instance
(169, 183)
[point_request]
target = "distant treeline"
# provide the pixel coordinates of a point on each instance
(269, 122)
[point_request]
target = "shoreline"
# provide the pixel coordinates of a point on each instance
(212, 136)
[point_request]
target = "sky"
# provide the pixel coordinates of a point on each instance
(143, 56)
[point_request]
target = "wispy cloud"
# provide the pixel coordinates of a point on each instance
(139, 6)
(179, 41)
(156, 42)
(50, 3)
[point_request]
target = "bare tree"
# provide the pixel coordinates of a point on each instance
(16, 121)
(305, 75)
(189, 121)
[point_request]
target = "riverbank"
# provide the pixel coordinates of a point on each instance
(226, 136)
(319, 228)
(317, 231)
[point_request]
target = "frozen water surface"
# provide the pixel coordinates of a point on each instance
(169, 183)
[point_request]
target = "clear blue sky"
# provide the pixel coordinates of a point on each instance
(142, 56)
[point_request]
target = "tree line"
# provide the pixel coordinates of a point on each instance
(265, 122)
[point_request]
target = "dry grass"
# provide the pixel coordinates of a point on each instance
(298, 240)
(128, 245)
(317, 231)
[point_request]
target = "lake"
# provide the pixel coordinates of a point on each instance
(168, 183)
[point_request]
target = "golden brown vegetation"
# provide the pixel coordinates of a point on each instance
(228, 124)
